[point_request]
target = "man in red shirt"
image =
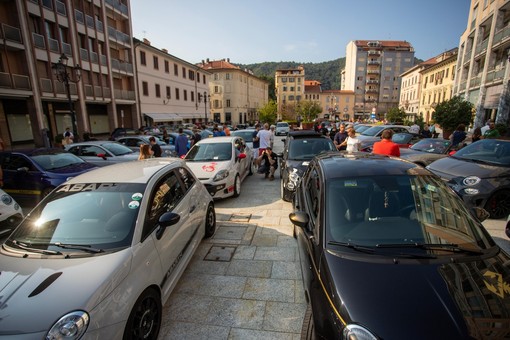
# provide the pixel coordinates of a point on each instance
(386, 146)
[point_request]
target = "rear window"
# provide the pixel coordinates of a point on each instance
(282, 124)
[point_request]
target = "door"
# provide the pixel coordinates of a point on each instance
(22, 179)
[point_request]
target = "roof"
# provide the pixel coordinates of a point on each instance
(221, 139)
(218, 64)
(388, 44)
(343, 164)
(127, 172)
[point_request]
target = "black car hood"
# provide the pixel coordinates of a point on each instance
(451, 167)
(468, 300)
(298, 164)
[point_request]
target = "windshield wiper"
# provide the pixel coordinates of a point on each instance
(431, 246)
(84, 247)
(363, 249)
(24, 246)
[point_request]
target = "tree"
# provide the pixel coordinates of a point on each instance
(308, 110)
(449, 114)
(267, 113)
(396, 115)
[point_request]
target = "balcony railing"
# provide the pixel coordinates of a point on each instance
(61, 8)
(371, 91)
(495, 75)
(118, 6)
(89, 91)
(475, 81)
(98, 91)
(122, 66)
(501, 35)
(374, 62)
(90, 21)
(118, 36)
(94, 57)
(99, 26)
(53, 45)
(38, 41)
(10, 33)
(371, 81)
(79, 16)
(103, 59)
(14, 81)
(46, 85)
(124, 94)
(373, 71)
(66, 48)
(374, 52)
(48, 4)
(482, 47)
(84, 54)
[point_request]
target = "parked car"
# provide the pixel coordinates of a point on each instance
(386, 248)
(11, 214)
(373, 134)
(100, 255)
(480, 174)
(221, 164)
(30, 175)
(282, 128)
(102, 153)
(134, 142)
(246, 134)
(121, 132)
(427, 151)
(299, 148)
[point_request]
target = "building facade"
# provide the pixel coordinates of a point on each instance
(171, 90)
(289, 90)
(437, 85)
(236, 95)
(482, 72)
(372, 71)
(94, 38)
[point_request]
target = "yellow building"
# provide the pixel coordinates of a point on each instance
(236, 94)
(289, 89)
(338, 105)
(437, 80)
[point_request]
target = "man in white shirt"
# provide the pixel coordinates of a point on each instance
(415, 128)
(264, 137)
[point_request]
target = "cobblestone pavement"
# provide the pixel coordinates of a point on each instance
(244, 282)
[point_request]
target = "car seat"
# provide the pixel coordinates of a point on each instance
(382, 204)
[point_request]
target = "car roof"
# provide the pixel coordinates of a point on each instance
(93, 142)
(127, 172)
(342, 164)
(35, 152)
(304, 133)
(221, 139)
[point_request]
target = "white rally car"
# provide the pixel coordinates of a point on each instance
(100, 255)
(221, 164)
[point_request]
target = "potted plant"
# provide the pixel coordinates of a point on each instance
(449, 114)
(309, 111)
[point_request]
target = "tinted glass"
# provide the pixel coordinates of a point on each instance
(247, 135)
(56, 161)
(204, 152)
(490, 151)
(117, 149)
(373, 131)
(306, 149)
(432, 145)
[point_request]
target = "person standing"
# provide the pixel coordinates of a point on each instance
(68, 136)
(458, 135)
(333, 132)
(386, 145)
(340, 137)
(181, 144)
(425, 133)
(156, 149)
(226, 129)
(145, 152)
(492, 132)
(477, 135)
(264, 137)
(271, 128)
(196, 136)
(352, 143)
(256, 143)
(415, 128)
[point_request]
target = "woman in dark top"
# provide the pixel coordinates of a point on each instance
(477, 135)
(458, 135)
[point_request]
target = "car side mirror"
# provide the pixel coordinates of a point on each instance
(480, 213)
(299, 218)
(166, 220)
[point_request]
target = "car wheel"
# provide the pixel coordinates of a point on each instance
(250, 172)
(145, 318)
(286, 194)
(498, 205)
(237, 186)
(210, 221)
(308, 328)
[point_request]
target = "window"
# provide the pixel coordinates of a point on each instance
(216, 76)
(292, 80)
(158, 91)
(228, 103)
(176, 93)
(145, 88)
(167, 67)
(191, 75)
(187, 178)
(184, 72)
(227, 76)
(168, 92)
(176, 70)
(185, 93)
(203, 77)
(192, 96)
(285, 89)
(156, 63)
(143, 61)
(292, 89)
(216, 89)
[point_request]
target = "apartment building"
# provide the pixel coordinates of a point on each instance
(372, 71)
(428, 84)
(482, 71)
(94, 40)
(236, 94)
(171, 90)
(289, 90)
(437, 85)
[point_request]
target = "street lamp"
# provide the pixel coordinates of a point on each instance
(205, 95)
(60, 70)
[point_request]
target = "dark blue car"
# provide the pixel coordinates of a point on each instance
(29, 175)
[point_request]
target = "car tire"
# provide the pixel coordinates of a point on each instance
(144, 320)
(250, 172)
(498, 205)
(308, 328)
(237, 186)
(286, 194)
(210, 221)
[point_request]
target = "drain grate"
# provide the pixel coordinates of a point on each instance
(220, 253)
(240, 217)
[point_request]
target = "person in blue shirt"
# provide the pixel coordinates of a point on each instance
(181, 143)
(458, 136)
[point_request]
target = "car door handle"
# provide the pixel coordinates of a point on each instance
(192, 208)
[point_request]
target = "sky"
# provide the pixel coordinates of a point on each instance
(256, 31)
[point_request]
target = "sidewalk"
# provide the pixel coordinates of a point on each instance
(244, 282)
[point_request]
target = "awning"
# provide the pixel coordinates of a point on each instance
(163, 117)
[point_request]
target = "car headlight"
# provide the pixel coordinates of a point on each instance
(471, 180)
(222, 174)
(356, 332)
(70, 326)
(471, 191)
(293, 179)
(6, 199)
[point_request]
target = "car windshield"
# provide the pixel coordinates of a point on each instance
(306, 149)
(361, 128)
(432, 145)
(117, 149)
(382, 211)
(247, 135)
(373, 131)
(99, 217)
(490, 151)
(206, 152)
(282, 124)
(57, 160)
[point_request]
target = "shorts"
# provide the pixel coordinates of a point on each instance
(255, 153)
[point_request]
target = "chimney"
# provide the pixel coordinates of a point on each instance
(207, 60)
(147, 42)
(228, 60)
(164, 50)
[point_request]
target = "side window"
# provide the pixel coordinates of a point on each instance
(14, 162)
(91, 151)
(187, 178)
(164, 198)
(313, 196)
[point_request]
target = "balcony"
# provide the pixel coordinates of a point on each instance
(118, 6)
(482, 47)
(118, 36)
(79, 16)
(495, 75)
(372, 81)
(372, 91)
(374, 62)
(122, 66)
(61, 8)
(501, 36)
(10, 33)
(373, 71)
(90, 21)
(14, 81)
(39, 41)
(84, 54)
(124, 94)
(53, 45)
(374, 52)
